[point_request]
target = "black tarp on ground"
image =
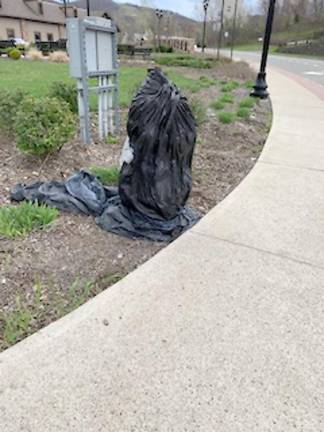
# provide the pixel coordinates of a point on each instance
(154, 183)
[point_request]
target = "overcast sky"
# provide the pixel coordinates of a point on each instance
(184, 7)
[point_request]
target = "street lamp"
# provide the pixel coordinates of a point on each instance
(88, 7)
(260, 86)
(159, 15)
(205, 5)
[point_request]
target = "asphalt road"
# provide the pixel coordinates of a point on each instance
(311, 69)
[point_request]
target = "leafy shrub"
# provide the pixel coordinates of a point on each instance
(58, 57)
(42, 126)
(243, 113)
(14, 54)
(227, 98)
(226, 117)
(184, 60)
(34, 54)
(248, 102)
(107, 176)
(9, 104)
(19, 220)
(198, 110)
(218, 105)
(67, 92)
(164, 49)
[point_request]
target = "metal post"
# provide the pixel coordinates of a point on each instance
(205, 5)
(88, 7)
(220, 36)
(260, 86)
(234, 28)
(159, 15)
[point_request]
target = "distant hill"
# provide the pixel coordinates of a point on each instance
(138, 21)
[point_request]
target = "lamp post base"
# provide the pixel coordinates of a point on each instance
(260, 87)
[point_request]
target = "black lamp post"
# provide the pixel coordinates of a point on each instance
(88, 7)
(260, 86)
(159, 16)
(205, 5)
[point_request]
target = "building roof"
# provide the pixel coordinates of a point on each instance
(29, 10)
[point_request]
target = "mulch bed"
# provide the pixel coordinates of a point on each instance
(74, 248)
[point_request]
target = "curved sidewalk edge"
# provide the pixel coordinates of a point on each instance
(223, 330)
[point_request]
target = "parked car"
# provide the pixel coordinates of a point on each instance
(20, 42)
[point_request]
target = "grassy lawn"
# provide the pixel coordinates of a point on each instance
(36, 78)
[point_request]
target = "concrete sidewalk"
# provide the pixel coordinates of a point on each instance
(222, 331)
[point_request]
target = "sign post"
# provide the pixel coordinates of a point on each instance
(92, 46)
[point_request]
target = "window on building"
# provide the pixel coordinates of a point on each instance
(37, 37)
(40, 8)
(10, 33)
(0, 3)
(75, 11)
(50, 37)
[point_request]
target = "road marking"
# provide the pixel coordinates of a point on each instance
(314, 73)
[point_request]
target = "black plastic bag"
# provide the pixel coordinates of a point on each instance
(162, 134)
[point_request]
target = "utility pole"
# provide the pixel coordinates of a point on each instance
(205, 6)
(220, 36)
(234, 28)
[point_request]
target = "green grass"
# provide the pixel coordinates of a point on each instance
(107, 176)
(19, 220)
(226, 117)
(249, 84)
(243, 113)
(37, 77)
(229, 86)
(198, 109)
(248, 102)
(217, 105)
(112, 140)
(28, 315)
(227, 98)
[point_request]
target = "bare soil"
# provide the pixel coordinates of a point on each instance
(74, 248)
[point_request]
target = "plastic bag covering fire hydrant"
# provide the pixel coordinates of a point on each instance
(155, 178)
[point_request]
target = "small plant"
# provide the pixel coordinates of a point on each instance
(9, 104)
(16, 323)
(14, 54)
(227, 98)
(58, 57)
(65, 91)
(229, 86)
(226, 117)
(247, 102)
(198, 110)
(34, 54)
(42, 126)
(243, 113)
(218, 105)
(19, 220)
(107, 176)
(249, 84)
(112, 140)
